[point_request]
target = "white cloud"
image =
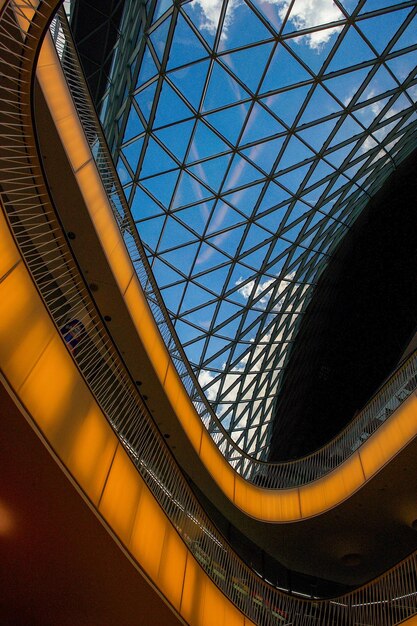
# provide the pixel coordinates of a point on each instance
(211, 10)
(311, 13)
(304, 14)
(264, 288)
(246, 290)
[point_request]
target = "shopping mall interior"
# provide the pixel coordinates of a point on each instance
(208, 331)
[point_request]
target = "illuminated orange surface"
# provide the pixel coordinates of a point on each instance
(49, 385)
(273, 506)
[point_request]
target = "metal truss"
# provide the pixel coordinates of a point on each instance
(251, 136)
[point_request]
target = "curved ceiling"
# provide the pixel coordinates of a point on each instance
(253, 134)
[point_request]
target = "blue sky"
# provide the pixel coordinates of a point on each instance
(248, 150)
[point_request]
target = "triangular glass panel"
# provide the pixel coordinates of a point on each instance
(240, 274)
(270, 12)
(190, 81)
(134, 126)
(191, 336)
(308, 52)
(229, 241)
(195, 296)
(203, 316)
(209, 257)
(244, 200)
(147, 70)
(212, 172)
(222, 90)
(197, 216)
(382, 133)
(222, 218)
(172, 297)
(170, 108)
(248, 64)
(240, 173)
(295, 153)
(205, 19)
(306, 16)
(176, 137)
(293, 179)
(318, 134)
(351, 171)
(161, 7)
(273, 221)
(381, 82)
(145, 100)
(349, 129)
(164, 274)
(123, 170)
(174, 235)
(229, 122)
(284, 70)
(205, 143)
(273, 196)
(313, 196)
(381, 28)
(345, 86)
(241, 27)
(264, 154)
(254, 237)
(162, 186)
(156, 160)
(370, 5)
(226, 311)
(260, 125)
(229, 330)
(367, 114)
(231, 387)
(215, 346)
(158, 38)
(255, 258)
(214, 280)
(189, 190)
(131, 152)
(277, 267)
(286, 105)
(183, 258)
(408, 38)
(185, 47)
(143, 206)
(298, 209)
(402, 103)
(150, 230)
(320, 105)
(352, 51)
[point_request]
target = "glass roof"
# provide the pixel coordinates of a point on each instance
(253, 134)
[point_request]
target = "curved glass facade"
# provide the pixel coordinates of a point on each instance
(249, 135)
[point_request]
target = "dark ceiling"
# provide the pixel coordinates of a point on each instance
(357, 325)
(95, 45)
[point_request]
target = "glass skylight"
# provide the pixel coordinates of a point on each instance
(253, 134)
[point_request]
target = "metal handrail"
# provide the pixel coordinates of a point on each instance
(45, 250)
(271, 475)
